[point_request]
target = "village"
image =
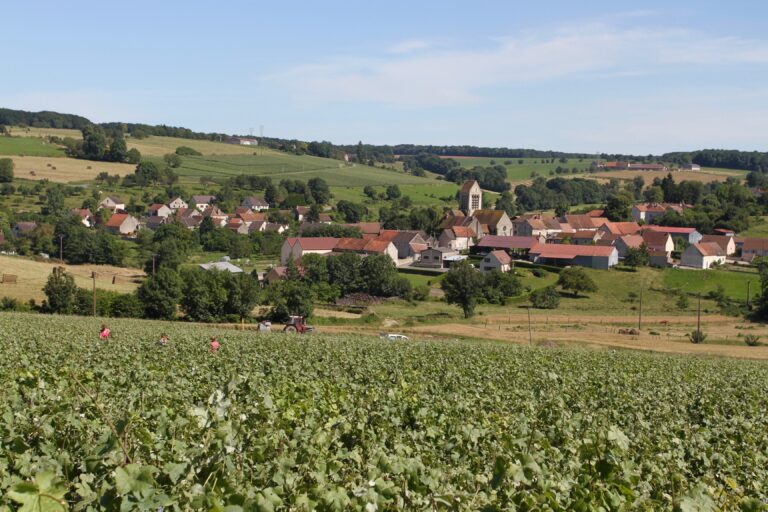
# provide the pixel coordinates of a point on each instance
(587, 240)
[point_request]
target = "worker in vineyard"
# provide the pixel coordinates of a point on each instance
(104, 332)
(163, 340)
(214, 344)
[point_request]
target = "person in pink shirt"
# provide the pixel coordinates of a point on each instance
(104, 332)
(214, 344)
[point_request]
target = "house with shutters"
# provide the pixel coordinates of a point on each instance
(496, 260)
(702, 255)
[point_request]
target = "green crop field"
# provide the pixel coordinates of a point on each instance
(280, 165)
(29, 146)
(342, 422)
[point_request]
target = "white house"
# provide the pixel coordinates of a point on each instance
(202, 202)
(458, 238)
(85, 215)
(113, 203)
(177, 203)
(726, 243)
(122, 224)
(159, 210)
(496, 260)
(702, 255)
(255, 203)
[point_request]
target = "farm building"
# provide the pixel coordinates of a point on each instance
(496, 260)
(222, 266)
(255, 203)
(620, 228)
(726, 243)
(512, 244)
(202, 202)
(592, 256)
(24, 228)
(437, 257)
(690, 167)
(702, 255)
(539, 225)
(625, 243)
(296, 247)
(659, 259)
(657, 241)
(754, 247)
(583, 237)
(159, 210)
(85, 215)
(649, 212)
(367, 247)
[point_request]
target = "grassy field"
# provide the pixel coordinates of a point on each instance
(18, 131)
(279, 165)
(65, 170)
(758, 227)
(29, 146)
(734, 282)
(32, 276)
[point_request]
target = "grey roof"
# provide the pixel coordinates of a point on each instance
(221, 266)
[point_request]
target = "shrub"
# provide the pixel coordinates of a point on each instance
(537, 272)
(420, 293)
(545, 298)
(752, 340)
(697, 336)
(682, 302)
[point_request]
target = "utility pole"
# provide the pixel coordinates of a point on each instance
(640, 314)
(61, 248)
(698, 315)
(749, 294)
(93, 276)
(530, 332)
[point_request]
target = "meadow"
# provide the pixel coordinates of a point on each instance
(521, 172)
(279, 166)
(29, 146)
(32, 276)
(332, 422)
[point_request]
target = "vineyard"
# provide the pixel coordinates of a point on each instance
(320, 422)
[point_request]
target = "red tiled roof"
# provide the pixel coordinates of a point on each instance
(350, 244)
(491, 217)
(566, 251)
(622, 228)
(595, 213)
(323, 243)
(508, 242)
(720, 240)
(669, 229)
(463, 232)
(116, 220)
(755, 244)
(82, 212)
(633, 241)
(709, 249)
(377, 246)
(502, 256)
(367, 228)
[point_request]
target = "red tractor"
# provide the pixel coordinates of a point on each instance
(296, 324)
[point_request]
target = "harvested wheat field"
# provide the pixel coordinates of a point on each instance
(32, 275)
(649, 176)
(159, 146)
(658, 334)
(65, 170)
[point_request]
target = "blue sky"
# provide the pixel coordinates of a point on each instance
(618, 76)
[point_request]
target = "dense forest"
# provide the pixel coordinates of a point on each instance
(726, 158)
(44, 119)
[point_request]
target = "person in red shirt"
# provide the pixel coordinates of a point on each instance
(104, 332)
(214, 344)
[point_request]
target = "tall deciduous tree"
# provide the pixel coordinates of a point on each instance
(60, 291)
(6, 170)
(576, 280)
(463, 286)
(160, 294)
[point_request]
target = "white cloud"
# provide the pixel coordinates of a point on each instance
(441, 78)
(410, 46)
